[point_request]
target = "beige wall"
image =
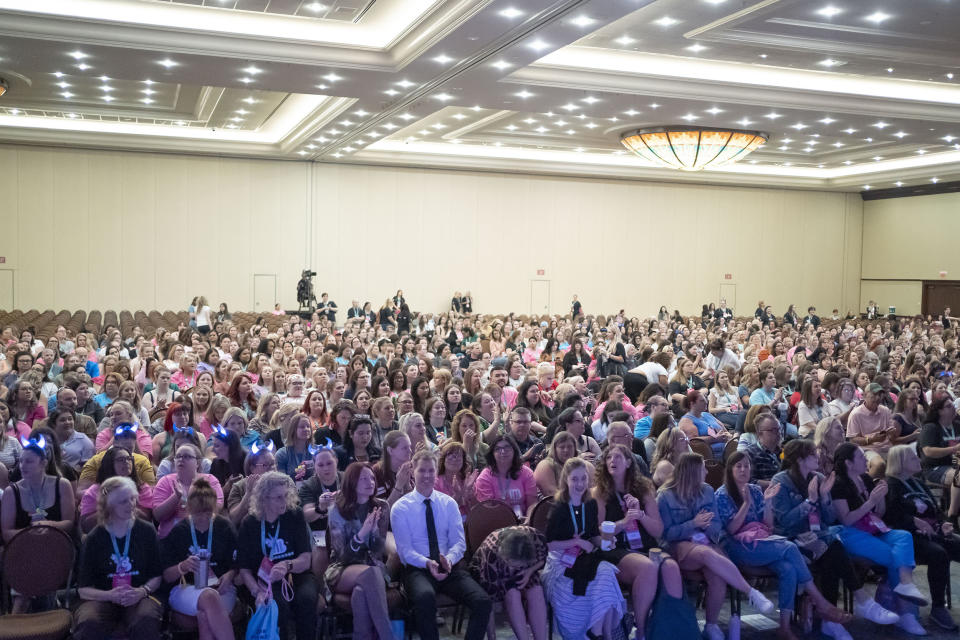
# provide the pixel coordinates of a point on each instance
(906, 241)
(96, 229)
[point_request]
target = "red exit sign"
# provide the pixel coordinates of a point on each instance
(540, 272)
(728, 276)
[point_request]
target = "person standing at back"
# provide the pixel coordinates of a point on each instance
(575, 307)
(430, 541)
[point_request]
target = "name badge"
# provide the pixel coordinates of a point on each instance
(569, 556)
(319, 538)
(634, 539)
(121, 580)
(266, 566)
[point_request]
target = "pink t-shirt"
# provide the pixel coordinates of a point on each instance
(88, 503)
(165, 488)
(514, 492)
(864, 423)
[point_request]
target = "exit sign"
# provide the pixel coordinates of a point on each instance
(728, 276)
(540, 272)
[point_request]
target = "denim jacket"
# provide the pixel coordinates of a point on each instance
(791, 509)
(678, 516)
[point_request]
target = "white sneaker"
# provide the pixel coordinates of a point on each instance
(908, 622)
(870, 610)
(760, 601)
(712, 632)
(909, 591)
(834, 630)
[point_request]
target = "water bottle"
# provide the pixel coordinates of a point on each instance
(202, 574)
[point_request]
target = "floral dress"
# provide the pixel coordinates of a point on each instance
(496, 576)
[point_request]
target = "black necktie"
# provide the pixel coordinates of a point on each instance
(432, 533)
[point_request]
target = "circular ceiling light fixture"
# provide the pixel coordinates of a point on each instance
(692, 148)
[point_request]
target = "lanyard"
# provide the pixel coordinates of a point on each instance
(193, 534)
(263, 539)
(583, 520)
(126, 545)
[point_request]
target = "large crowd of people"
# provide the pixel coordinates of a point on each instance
(214, 468)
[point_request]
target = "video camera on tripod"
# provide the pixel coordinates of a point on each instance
(305, 295)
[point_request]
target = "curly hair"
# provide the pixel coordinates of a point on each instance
(267, 483)
(636, 485)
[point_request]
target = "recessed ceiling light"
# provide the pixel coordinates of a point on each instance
(391, 92)
(590, 100)
(459, 116)
(250, 100)
(456, 141)
(690, 117)
(560, 123)
(881, 124)
(15, 112)
(665, 21)
(443, 97)
(582, 21)
(236, 119)
(625, 40)
(524, 94)
(168, 63)
(66, 94)
(949, 76)
(72, 115)
(146, 100)
(838, 144)
(827, 120)
(848, 162)
(763, 55)
(949, 138)
(78, 55)
(830, 62)
(745, 122)
(714, 111)
(63, 85)
(180, 123)
(334, 132)
(148, 92)
(696, 48)
(715, 1)
(889, 69)
(901, 134)
(541, 129)
(808, 149)
(850, 130)
(246, 80)
(783, 148)
(315, 6)
(58, 74)
(338, 155)
(579, 149)
(322, 86)
(898, 183)
(787, 140)
(242, 112)
(868, 139)
(148, 82)
(530, 121)
(799, 126)
(631, 112)
(654, 105)
(569, 132)
(106, 87)
(332, 77)
(865, 187)
(773, 115)
(346, 123)
(591, 125)
(512, 127)
(476, 107)
(877, 17)
(570, 106)
(107, 98)
(405, 84)
(511, 12)
(361, 113)
(82, 66)
(311, 146)
(252, 70)
(829, 11)
(406, 116)
(877, 158)
(443, 59)
(921, 151)
(501, 65)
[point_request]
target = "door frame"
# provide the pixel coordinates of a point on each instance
(253, 285)
(923, 293)
(549, 294)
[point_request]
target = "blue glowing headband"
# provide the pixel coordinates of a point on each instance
(256, 447)
(38, 445)
(126, 428)
(315, 449)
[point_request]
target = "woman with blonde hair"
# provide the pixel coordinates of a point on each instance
(120, 569)
(276, 531)
(215, 414)
(671, 444)
(828, 435)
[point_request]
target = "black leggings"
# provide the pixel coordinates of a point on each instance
(303, 608)
(937, 553)
(832, 567)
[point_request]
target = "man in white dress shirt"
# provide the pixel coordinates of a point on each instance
(428, 530)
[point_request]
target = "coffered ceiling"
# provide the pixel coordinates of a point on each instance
(854, 94)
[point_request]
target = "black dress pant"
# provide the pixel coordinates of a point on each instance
(937, 553)
(422, 590)
(832, 567)
(303, 607)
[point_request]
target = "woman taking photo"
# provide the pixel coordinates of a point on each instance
(394, 472)
(692, 532)
(860, 505)
(581, 608)
(506, 478)
(202, 538)
(358, 534)
(120, 569)
(911, 507)
(629, 500)
(274, 541)
(804, 513)
(747, 514)
(507, 565)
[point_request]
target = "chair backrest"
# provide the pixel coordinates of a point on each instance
(714, 474)
(729, 449)
(701, 447)
(38, 561)
(485, 518)
(540, 514)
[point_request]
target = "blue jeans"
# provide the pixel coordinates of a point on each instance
(893, 549)
(780, 556)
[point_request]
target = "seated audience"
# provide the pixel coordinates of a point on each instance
(170, 494)
(506, 478)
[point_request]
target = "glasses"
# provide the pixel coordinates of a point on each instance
(124, 459)
(503, 450)
(184, 456)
